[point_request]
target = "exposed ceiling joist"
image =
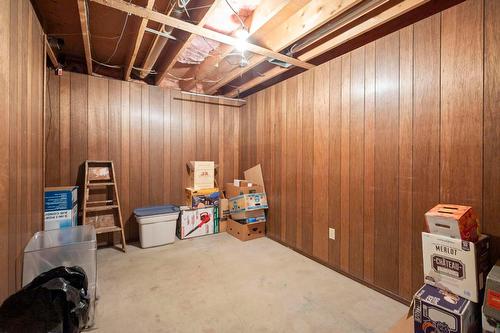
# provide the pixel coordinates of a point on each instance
(181, 46)
(51, 54)
(138, 40)
(261, 25)
(340, 39)
(155, 48)
(194, 29)
(309, 18)
(82, 10)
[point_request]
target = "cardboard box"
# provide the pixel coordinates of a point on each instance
(455, 265)
(245, 232)
(248, 202)
(234, 191)
(489, 325)
(254, 175)
(491, 304)
(222, 225)
(201, 174)
(61, 207)
(252, 216)
(454, 221)
(436, 310)
(194, 222)
(224, 208)
(202, 197)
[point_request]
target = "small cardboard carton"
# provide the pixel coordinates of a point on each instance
(456, 265)
(437, 310)
(245, 232)
(194, 222)
(491, 304)
(234, 191)
(201, 174)
(454, 221)
(202, 197)
(61, 207)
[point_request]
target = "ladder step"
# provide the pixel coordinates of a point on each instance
(100, 208)
(100, 184)
(99, 202)
(103, 230)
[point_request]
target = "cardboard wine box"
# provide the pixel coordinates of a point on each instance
(437, 310)
(454, 221)
(245, 232)
(456, 265)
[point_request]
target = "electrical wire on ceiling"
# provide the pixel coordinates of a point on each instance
(180, 78)
(237, 15)
(120, 38)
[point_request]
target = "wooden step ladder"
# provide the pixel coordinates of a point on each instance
(101, 204)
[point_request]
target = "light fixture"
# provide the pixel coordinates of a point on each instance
(242, 36)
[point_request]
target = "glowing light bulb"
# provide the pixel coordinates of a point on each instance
(242, 36)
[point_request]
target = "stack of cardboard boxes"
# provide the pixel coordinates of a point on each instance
(455, 263)
(200, 214)
(246, 204)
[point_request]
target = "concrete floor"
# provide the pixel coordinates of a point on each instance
(219, 284)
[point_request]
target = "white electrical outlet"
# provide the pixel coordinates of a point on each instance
(331, 233)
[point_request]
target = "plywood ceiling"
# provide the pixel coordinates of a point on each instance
(119, 44)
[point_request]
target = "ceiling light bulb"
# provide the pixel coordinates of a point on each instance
(242, 36)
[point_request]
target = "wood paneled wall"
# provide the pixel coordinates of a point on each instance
(368, 142)
(149, 133)
(22, 63)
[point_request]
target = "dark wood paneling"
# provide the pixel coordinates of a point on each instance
(386, 162)
(21, 140)
(320, 158)
(426, 114)
(146, 132)
(491, 138)
(405, 161)
(394, 141)
(462, 104)
(356, 165)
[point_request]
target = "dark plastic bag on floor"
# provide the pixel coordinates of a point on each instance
(48, 304)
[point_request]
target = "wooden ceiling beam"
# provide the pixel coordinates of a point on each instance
(82, 10)
(51, 54)
(137, 44)
(181, 46)
(155, 48)
(194, 29)
(263, 23)
(370, 24)
(309, 18)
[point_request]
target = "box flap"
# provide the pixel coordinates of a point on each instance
(254, 175)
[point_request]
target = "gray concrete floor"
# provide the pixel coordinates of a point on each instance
(219, 284)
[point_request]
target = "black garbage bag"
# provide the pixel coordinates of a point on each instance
(48, 304)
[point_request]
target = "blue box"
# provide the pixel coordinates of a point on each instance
(437, 310)
(60, 207)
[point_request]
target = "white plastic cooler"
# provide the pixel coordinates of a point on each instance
(156, 225)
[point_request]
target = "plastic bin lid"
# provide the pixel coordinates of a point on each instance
(156, 210)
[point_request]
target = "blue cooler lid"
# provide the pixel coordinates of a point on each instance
(156, 210)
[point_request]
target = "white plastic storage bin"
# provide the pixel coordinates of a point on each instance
(157, 224)
(74, 246)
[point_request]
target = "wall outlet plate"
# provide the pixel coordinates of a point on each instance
(331, 233)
